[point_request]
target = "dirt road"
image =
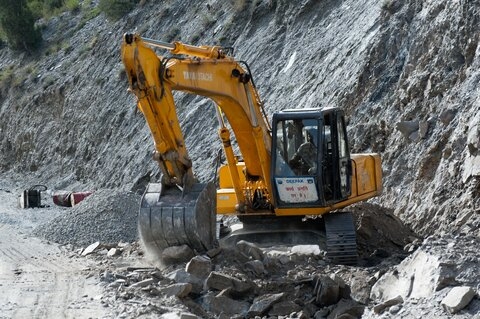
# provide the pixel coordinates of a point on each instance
(38, 279)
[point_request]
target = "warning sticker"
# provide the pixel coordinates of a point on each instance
(297, 189)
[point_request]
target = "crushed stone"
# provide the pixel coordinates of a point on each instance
(107, 216)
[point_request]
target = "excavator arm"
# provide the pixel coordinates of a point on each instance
(209, 72)
(156, 102)
(205, 71)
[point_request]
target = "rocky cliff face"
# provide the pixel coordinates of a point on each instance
(419, 80)
(405, 73)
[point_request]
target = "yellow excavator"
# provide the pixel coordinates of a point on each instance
(298, 166)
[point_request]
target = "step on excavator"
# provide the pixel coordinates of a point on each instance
(298, 166)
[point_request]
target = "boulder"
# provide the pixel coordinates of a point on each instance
(177, 254)
(90, 249)
(306, 250)
(447, 116)
(178, 290)
(199, 266)
(250, 250)
(181, 276)
(416, 277)
(407, 128)
(346, 309)
(219, 281)
(256, 266)
(360, 288)
(142, 283)
(345, 290)
(214, 252)
(326, 290)
(322, 313)
(228, 306)
(423, 129)
(263, 303)
(457, 299)
(113, 252)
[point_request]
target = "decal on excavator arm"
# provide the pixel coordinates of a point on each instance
(297, 189)
(194, 76)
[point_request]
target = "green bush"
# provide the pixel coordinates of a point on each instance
(53, 4)
(50, 8)
(72, 5)
(115, 9)
(18, 25)
(36, 7)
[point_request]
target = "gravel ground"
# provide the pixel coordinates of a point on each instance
(24, 220)
(107, 216)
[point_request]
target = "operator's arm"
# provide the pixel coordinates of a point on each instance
(306, 155)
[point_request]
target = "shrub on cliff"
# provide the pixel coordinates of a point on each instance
(18, 25)
(115, 9)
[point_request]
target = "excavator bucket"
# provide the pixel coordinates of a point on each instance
(169, 217)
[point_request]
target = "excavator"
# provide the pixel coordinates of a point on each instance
(298, 166)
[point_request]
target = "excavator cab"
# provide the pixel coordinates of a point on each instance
(310, 157)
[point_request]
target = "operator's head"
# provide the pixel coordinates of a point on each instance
(310, 135)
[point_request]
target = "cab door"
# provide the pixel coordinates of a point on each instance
(344, 162)
(336, 164)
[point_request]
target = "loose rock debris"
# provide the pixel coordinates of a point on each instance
(222, 287)
(226, 292)
(250, 280)
(107, 216)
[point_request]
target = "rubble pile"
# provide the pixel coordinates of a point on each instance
(227, 283)
(439, 280)
(108, 216)
(250, 281)
(381, 234)
(398, 274)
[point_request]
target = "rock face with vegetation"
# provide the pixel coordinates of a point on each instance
(405, 72)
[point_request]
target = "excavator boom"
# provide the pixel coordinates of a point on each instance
(206, 71)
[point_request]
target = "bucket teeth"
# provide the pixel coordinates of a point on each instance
(169, 217)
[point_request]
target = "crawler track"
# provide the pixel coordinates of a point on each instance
(341, 238)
